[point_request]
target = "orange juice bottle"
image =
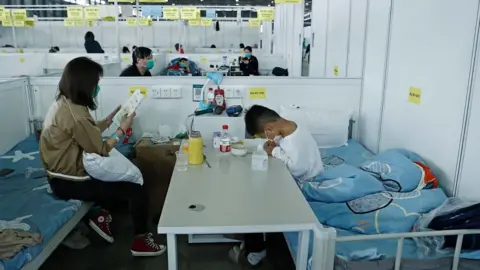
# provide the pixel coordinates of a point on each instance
(195, 148)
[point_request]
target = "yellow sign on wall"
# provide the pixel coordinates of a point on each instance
(79, 23)
(75, 13)
(254, 23)
(206, 22)
(69, 23)
(19, 23)
(415, 95)
(266, 14)
(131, 21)
(257, 93)
(288, 1)
(143, 90)
(145, 22)
(90, 23)
(170, 13)
(30, 22)
(19, 14)
(335, 71)
(188, 13)
(92, 13)
(2, 12)
(153, 1)
(194, 23)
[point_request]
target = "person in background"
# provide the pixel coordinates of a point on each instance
(307, 53)
(242, 46)
(292, 144)
(91, 45)
(134, 47)
(179, 48)
(125, 49)
(182, 64)
(70, 130)
(213, 46)
(249, 63)
(142, 63)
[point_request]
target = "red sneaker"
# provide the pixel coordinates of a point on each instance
(101, 225)
(146, 246)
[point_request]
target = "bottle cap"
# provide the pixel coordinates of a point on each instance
(225, 127)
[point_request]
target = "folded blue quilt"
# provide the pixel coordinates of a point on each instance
(397, 170)
(340, 184)
(383, 212)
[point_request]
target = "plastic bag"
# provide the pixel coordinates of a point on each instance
(428, 246)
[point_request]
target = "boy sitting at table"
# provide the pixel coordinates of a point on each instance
(292, 144)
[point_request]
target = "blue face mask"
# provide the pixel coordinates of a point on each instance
(97, 90)
(247, 54)
(150, 64)
(182, 65)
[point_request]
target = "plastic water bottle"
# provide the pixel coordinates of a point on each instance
(260, 159)
(225, 142)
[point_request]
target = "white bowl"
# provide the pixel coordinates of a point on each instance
(239, 151)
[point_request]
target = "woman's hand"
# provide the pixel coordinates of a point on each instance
(109, 118)
(126, 122)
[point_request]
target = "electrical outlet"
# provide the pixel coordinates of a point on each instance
(176, 92)
(238, 92)
(156, 91)
(229, 92)
(166, 92)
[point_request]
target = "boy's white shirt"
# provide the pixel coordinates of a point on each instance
(300, 154)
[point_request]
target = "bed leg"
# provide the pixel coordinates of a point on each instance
(458, 249)
(319, 253)
(302, 250)
(398, 257)
(331, 246)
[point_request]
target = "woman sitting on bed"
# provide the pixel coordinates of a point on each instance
(69, 131)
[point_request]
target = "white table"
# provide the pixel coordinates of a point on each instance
(236, 200)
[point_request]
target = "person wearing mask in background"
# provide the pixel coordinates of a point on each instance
(179, 48)
(242, 46)
(142, 63)
(70, 130)
(183, 65)
(249, 63)
(91, 45)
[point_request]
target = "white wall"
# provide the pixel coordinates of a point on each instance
(338, 32)
(28, 64)
(430, 48)
(375, 68)
(335, 93)
(161, 34)
(468, 178)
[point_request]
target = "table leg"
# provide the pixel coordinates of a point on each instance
(302, 250)
(172, 251)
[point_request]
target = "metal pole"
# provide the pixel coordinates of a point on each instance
(117, 29)
(137, 5)
(14, 34)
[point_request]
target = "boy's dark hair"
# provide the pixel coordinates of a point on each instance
(182, 59)
(257, 117)
(79, 81)
(141, 53)
(89, 35)
(248, 48)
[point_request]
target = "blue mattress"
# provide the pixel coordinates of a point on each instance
(355, 154)
(26, 201)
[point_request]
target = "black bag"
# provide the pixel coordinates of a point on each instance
(280, 71)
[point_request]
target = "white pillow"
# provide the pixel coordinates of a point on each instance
(329, 128)
(114, 168)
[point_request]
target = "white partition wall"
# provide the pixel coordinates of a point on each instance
(335, 93)
(337, 38)
(377, 33)
(14, 108)
(431, 43)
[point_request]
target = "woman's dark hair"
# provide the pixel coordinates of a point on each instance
(89, 35)
(242, 45)
(248, 48)
(213, 46)
(57, 48)
(140, 53)
(177, 46)
(79, 81)
(125, 49)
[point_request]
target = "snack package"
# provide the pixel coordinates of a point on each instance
(129, 107)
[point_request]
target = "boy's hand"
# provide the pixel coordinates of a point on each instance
(269, 146)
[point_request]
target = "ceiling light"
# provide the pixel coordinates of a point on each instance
(173, 4)
(237, 4)
(307, 4)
